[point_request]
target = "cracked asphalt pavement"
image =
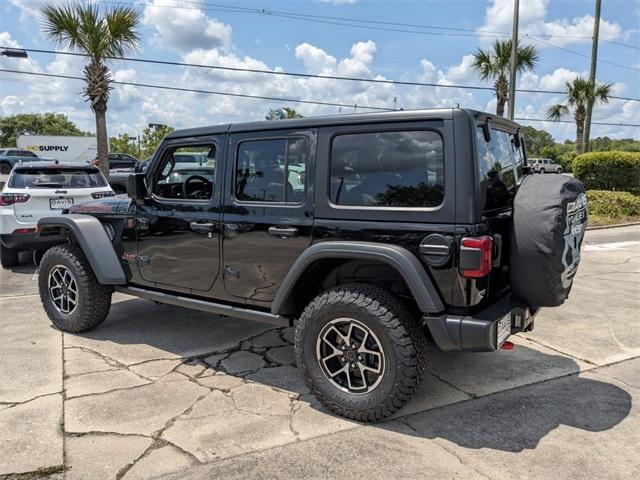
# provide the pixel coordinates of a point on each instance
(163, 392)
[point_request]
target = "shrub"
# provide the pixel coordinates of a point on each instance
(609, 170)
(615, 205)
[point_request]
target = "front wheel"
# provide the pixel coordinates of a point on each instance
(360, 351)
(5, 168)
(541, 170)
(559, 171)
(70, 292)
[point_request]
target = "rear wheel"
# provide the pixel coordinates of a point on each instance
(5, 168)
(8, 256)
(559, 171)
(70, 292)
(541, 170)
(361, 351)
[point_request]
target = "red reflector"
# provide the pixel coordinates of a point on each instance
(7, 199)
(23, 231)
(485, 246)
(507, 346)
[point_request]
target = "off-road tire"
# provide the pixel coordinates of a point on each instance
(9, 257)
(94, 299)
(404, 345)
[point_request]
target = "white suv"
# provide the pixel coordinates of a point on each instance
(38, 190)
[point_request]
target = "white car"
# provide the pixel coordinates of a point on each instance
(38, 190)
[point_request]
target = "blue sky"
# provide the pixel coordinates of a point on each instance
(203, 31)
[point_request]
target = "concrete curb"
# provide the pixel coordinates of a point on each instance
(617, 225)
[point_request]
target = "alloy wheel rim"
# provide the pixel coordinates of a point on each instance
(350, 356)
(63, 289)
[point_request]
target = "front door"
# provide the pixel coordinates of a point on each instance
(179, 225)
(268, 212)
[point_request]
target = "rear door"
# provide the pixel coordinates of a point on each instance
(268, 210)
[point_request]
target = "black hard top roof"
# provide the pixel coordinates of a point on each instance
(351, 119)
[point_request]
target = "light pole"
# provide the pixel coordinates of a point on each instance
(514, 60)
(592, 77)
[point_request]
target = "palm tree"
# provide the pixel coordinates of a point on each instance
(495, 64)
(101, 37)
(580, 92)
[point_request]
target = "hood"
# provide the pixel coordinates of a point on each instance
(117, 205)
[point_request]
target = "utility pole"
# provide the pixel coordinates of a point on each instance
(514, 60)
(592, 76)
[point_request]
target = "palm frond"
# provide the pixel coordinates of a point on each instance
(556, 112)
(121, 23)
(602, 93)
(483, 64)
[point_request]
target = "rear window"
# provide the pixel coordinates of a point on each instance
(499, 167)
(57, 178)
(388, 169)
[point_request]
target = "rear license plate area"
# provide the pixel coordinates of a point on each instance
(60, 203)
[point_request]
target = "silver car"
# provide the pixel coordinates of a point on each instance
(544, 165)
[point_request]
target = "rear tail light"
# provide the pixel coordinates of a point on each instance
(23, 231)
(7, 199)
(97, 195)
(476, 256)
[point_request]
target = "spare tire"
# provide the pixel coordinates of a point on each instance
(549, 221)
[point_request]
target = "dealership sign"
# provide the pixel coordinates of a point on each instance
(58, 147)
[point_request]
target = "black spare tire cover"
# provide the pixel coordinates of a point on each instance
(549, 221)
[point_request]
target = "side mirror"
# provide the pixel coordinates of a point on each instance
(136, 188)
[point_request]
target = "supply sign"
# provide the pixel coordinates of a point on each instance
(58, 147)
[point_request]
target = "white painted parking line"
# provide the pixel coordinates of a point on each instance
(606, 247)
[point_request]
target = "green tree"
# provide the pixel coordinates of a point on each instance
(535, 140)
(152, 137)
(13, 126)
(282, 113)
(495, 64)
(101, 36)
(579, 93)
(124, 143)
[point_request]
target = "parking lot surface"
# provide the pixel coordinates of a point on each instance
(160, 391)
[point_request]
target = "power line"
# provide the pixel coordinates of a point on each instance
(308, 75)
(611, 124)
(279, 99)
(213, 7)
(568, 50)
(209, 92)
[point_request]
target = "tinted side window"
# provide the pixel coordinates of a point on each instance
(271, 170)
(27, 153)
(387, 169)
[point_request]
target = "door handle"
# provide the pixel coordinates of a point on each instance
(283, 231)
(199, 227)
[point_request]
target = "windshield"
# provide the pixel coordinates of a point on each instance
(57, 178)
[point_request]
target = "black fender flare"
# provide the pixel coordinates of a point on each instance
(399, 258)
(92, 238)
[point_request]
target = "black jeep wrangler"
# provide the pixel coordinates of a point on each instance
(369, 233)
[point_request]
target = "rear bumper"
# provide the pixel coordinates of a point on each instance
(478, 333)
(30, 241)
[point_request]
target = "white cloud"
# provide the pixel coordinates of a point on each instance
(184, 29)
(533, 20)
